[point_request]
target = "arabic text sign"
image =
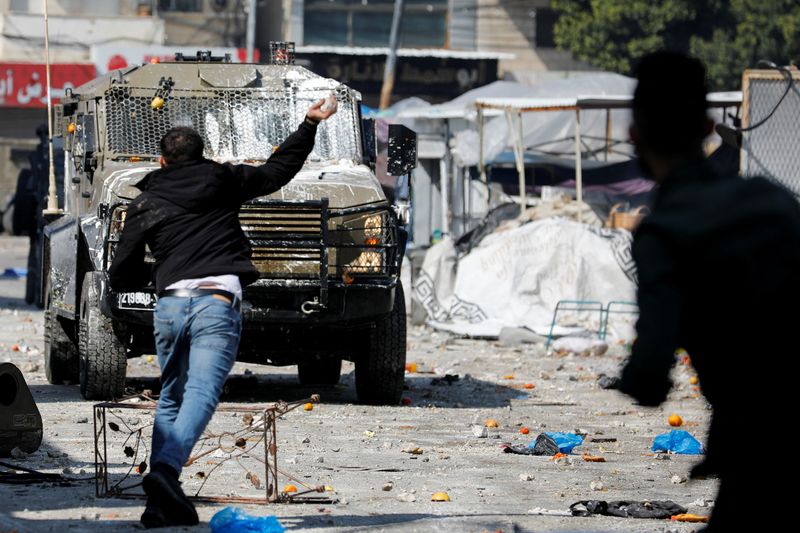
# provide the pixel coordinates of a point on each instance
(24, 84)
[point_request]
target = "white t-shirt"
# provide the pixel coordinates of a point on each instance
(227, 282)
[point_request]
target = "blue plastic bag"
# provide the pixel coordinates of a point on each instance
(678, 441)
(565, 441)
(235, 520)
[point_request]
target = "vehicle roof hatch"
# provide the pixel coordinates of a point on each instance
(243, 76)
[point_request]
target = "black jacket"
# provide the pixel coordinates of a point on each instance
(188, 215)
(718, 262)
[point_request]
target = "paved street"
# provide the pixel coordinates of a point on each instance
(383, 463)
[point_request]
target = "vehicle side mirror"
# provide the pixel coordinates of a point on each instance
(402, 150)
(368, 141)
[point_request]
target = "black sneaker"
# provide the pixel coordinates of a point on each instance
(164, 491)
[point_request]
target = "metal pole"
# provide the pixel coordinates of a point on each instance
(52, 193)
(444, 177)
(517, 146)
(391, 57)
(578, 169)
(481, 162)
(251, 29)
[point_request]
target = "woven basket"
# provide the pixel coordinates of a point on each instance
(626, 219)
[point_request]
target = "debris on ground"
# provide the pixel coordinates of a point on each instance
(582, 346)
(447, 379)
(593, 458)
(628, 509)
(608, 382)
(516, 336)
(565, 442)
(16, 453)
(406, 497)
(479, 432)
(688, 517)
(235, 520)
(677, 441)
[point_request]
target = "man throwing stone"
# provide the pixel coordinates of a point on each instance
(187, 214)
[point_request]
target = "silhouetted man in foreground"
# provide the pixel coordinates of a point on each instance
(718, 259)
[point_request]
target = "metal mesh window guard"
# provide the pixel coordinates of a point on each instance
(236, 124)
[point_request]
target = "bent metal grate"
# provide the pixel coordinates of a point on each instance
(236, 124)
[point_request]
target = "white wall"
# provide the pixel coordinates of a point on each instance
(71, 37)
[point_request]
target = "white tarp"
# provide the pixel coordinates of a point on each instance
(515, 278)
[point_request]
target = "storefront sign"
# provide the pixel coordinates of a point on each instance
(435, 79)
(24, 84)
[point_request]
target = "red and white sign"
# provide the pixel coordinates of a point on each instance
(24, 84)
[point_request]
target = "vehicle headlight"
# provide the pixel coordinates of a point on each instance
(362, 243)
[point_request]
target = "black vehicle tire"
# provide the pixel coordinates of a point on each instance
(380, 373)
(323, 371)
(103, 357)
(60, 352)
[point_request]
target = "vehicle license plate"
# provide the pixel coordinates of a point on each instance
(136, 300)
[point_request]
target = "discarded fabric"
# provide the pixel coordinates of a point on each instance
(678, 441)
(235, 520)
(626, 509)
(565, 441)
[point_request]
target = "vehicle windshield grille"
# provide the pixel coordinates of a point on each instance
(236, 124)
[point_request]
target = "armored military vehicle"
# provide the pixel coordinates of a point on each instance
(328, 246)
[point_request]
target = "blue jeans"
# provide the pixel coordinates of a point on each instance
(197, 340)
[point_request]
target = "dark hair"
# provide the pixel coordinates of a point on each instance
(669, 104)
(181, 144)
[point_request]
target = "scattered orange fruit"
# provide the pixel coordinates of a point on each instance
(524, 430)
(694, 380)
(675, 420)
(528, 386)
(559, 455)
(15, 348)
(71, 127)
(491, 423)
(289, 488)
(157, 102)
(308, 407)
(440, 497)
(411, 367)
